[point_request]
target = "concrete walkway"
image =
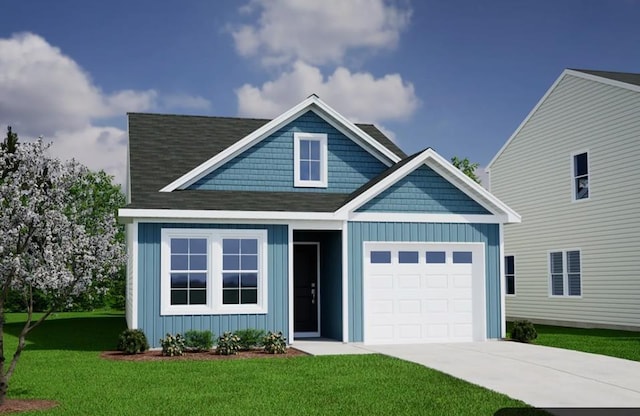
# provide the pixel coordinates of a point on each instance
(543, 377)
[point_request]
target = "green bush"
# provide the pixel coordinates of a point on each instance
(132, 341)
(275, 343)
(523, 331)
(172, 345)
(228, 344)
(198, 340)
(250, 338)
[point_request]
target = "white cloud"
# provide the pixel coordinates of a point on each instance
(96, 147)
(359, 96)
(46, 93)
(318, 32)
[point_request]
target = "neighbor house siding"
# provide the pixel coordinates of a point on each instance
(156, 326)
(423, 190)
(533, 176)
(359, 232)
(268, 165)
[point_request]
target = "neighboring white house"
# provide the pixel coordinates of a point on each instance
(571, 170)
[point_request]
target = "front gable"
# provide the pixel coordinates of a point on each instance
(269, 164)
(423, 190)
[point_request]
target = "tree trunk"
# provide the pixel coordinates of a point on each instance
(4, 383)
(5, 376)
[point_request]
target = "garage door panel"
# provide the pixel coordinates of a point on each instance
(408, 281)
(381, 281)
(410, 306)
(437, 281)
(420, 302)
(435, 306)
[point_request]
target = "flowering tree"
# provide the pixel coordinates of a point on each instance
(50, 239)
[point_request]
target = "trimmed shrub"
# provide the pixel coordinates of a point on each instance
(275, 343)
(523, 331)
(172, 346)
(228, 344)
(133, 341)
(198, 340)
(250, 338)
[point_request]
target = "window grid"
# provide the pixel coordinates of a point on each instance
(510, 274)
(239, 271)
(565, 273)
(581, 176)
(188, 271)
(310, 160)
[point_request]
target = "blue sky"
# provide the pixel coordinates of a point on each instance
(458, 76)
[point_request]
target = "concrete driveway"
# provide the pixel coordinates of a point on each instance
(543, 377)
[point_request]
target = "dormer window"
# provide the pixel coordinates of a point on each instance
(310, 160)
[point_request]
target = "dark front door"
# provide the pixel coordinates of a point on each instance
(305, 287)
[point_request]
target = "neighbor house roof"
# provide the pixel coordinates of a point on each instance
(626, 77)
(627, 80)
(163, 147)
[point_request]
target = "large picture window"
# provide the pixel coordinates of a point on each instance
(310, 160)
(213, 271)
(565, 273)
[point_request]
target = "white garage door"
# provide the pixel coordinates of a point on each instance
(423, 292)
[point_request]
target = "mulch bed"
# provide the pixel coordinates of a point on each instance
(25, 405)
(207, 355)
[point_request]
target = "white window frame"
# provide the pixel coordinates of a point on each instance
(214, 305)
(319, 137)
(565, 274)
(504, 260)
(573, 175)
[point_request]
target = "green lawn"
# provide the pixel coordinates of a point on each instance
(62, 363)
(621, 344)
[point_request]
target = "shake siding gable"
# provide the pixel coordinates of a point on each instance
(268, 165)
(423, 191)
(155, 326)
(533, 175)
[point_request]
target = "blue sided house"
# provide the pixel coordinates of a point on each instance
(310, 225)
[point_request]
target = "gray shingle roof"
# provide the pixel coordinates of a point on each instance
(164, 147)
(626, 77)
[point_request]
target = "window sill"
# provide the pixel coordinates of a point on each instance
(310, 184)
(221, 310)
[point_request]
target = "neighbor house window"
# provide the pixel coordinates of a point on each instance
(310, 160)
(565, 273)
(510, 274)
(213, 271)
(581, 176)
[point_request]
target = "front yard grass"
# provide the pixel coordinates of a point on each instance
(614, 343)
(62, 363)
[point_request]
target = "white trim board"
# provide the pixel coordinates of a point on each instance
(312, 103)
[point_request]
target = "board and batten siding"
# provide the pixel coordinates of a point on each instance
(423, 190)
(268, 165)
(533, 176)
(359, 232)
(130, 230)
(155, 325)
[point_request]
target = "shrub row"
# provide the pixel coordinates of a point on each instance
(133, 341)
